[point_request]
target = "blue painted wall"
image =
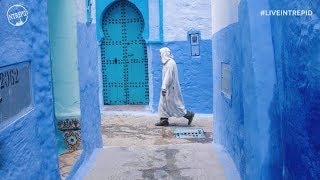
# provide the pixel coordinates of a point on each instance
(232, 45)
(269, 127)
(88, 76)
(297, 57)
(28, 145)
(243, 123)
(195, 74)
(229, 125)
(89, 86)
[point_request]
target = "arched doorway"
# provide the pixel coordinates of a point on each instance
(124, 56)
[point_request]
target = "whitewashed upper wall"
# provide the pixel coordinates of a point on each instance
(180, 16)
(224, 13)
(82, 11)
(154, 19)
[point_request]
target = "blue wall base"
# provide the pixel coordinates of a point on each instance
(195, 74)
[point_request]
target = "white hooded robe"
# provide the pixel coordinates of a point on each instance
(172, 104)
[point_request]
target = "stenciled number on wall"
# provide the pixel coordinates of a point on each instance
(15, 91)
(9, 78)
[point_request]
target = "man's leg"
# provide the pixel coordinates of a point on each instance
(163, 122)
(189, 116)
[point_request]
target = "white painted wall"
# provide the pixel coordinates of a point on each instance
(82, 11)
(224, 13)
(154, 20)
(180, 16)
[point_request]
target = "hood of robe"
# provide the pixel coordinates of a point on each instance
(166, 55)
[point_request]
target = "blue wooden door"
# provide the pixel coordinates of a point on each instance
(124, 55)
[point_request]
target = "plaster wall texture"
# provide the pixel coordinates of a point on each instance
(89, 87)
(181, 16)
(173, 12)
(266, 126)
(229, 126)
(296, 99)
(155, 20)
(243, 122)
(224, 13)
(27, 144)
(82, 11)
(63, 48)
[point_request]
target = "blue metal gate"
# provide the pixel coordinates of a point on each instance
(124, 55)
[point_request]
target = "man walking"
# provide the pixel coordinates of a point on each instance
(171, 103)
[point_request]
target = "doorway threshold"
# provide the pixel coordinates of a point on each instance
(126, 108)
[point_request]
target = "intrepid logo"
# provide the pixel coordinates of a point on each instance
(17, 15)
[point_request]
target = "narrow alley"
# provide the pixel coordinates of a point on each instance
(135, 149)
(159, 89)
